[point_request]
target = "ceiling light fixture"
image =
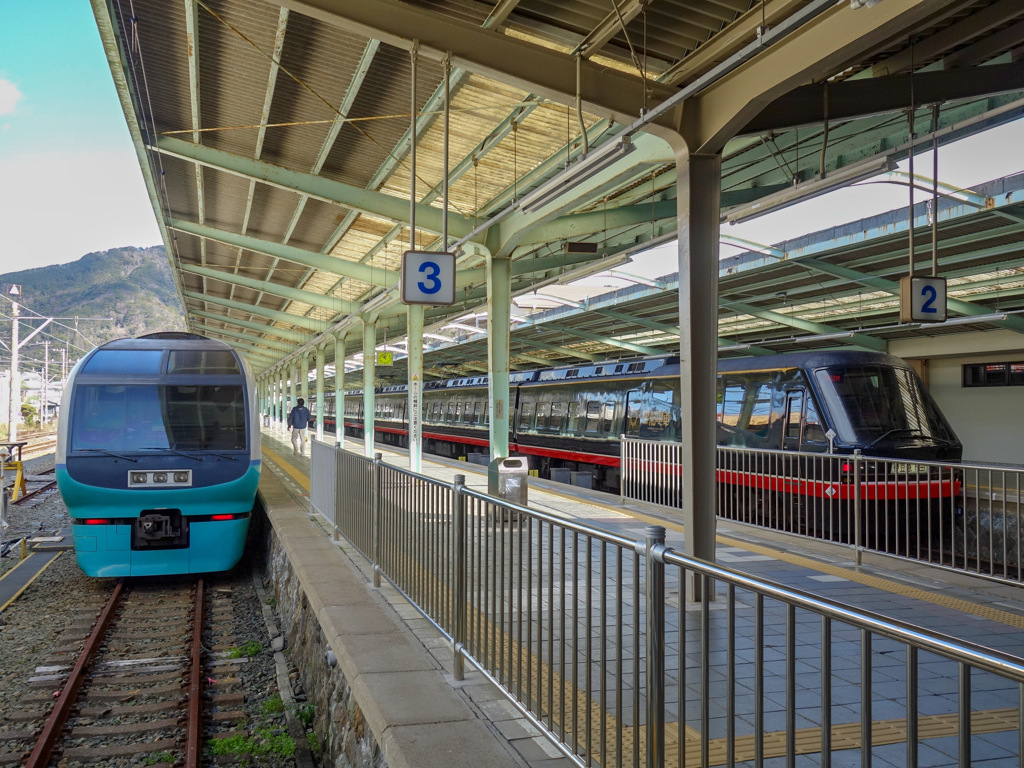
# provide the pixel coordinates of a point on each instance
(584, 168)
(818, 185)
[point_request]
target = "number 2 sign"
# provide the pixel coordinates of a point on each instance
(922, 299)
(428, 278)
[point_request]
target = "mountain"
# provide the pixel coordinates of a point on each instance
(113, 294)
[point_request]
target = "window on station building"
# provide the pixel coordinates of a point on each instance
(993, 374)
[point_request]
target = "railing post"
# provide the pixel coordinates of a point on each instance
(336, 511)
(378, 459)
(858, 531)
(459, 576)
(655, 597)
(623, 468)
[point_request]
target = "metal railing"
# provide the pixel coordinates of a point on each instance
(589, 635)
(960, 516)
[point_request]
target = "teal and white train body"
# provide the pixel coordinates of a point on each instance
(158, 456)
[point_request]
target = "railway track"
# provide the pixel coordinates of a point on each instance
(131, 680)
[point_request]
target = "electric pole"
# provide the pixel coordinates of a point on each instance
(14, 414)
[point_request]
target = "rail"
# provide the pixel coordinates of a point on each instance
(965, 517)
(589, 636)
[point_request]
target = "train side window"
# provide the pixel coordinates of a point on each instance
(558, 412)
(487, 412)
(574, 418)
(608, 418)
(526, 417)
(732, 402)
(452, 412)
(477, 408)
(457, 416)
(543, 417)
(593, 422)
(761, 410)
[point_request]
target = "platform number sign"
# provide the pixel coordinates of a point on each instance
(428, 278)
(922, 299)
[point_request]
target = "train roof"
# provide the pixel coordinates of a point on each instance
(167, 340)
(662, 365)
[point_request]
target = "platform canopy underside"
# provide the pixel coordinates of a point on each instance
(274, 138)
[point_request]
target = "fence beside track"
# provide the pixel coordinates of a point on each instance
(966, 517)
(590, 635)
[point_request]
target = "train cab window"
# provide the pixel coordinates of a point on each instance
(593, 422)
(803, 430)
(526, 417)
(125, 361)
(210, 361)
(558, 414)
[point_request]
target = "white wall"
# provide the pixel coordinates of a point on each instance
(988, 420)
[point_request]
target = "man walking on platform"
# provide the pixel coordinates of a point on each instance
(298, 422)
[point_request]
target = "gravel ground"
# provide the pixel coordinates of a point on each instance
(32, 624)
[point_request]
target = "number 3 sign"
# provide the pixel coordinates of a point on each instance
(428, 278)
(922, 299)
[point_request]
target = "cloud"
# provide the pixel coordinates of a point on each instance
(9, 95)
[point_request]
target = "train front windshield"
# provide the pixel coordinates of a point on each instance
(149, 417)
(870, 404)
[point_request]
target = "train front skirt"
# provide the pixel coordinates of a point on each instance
(146, 533)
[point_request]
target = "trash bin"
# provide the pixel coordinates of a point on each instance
(507, 479)
(560, 474)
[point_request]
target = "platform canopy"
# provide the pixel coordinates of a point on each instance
(274, 139)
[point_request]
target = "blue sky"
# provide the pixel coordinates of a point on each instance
(70, 182)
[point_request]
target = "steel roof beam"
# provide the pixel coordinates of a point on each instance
(533, 68)
(270, 330)
(893, 287)
(869, 342)
(192, 38)
(257, 341)
(285, 292)
(375, 276)
(610, 26)
(356, 198)
(864, 98)
(626, 345)
(570, 353)
(977, 24)
(832, 41)
(300, 321)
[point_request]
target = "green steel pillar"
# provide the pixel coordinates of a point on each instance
(499, 310)
(321, 360)
(304, 379)
(698, 192)
(369, 374)
(415, 409)
(339, 390)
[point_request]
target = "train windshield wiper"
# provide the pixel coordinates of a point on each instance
(175, 452)
(227, 456)
(895, 431)
(105, 453)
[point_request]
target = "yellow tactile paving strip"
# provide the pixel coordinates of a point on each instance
(571, 701)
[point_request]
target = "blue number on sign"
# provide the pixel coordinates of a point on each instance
(431, 270)
(931, 294)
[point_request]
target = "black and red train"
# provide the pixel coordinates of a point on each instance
(572, 417)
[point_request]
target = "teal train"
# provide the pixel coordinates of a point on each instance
(158, 456)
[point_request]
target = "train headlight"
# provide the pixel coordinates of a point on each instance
(139, 478)
(181, 477)
(159, 477)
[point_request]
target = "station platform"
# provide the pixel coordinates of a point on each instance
(980, 611)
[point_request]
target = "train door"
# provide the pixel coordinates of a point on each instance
(802, 429)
